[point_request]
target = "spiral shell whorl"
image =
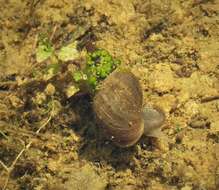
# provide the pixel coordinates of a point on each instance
(118, 106)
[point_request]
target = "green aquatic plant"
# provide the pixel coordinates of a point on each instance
(68, 52)
(99, 64)
(51, 70)
(44, 49)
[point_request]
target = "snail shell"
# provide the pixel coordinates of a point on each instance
(118, 106)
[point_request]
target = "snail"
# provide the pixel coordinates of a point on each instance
(118, 106)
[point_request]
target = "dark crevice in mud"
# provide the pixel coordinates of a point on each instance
(154, 29)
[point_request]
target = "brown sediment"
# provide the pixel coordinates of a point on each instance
(171, 46)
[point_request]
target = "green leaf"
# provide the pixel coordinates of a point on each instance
(51, 70)
(92, 80)
(68, 52)
(99, 64)
(43, 51)
(77, 76)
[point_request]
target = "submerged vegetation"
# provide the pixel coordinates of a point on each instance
(99, 64)
(93, 67)
(80, 71)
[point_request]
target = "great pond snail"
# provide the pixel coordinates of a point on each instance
(118, 106)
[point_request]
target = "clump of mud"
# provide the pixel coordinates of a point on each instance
(50, 141)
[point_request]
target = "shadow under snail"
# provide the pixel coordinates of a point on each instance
(118, 106)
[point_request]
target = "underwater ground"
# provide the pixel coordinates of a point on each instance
(49, 140)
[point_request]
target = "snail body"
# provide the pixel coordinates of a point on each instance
(119, 110)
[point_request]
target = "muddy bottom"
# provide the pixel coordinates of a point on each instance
(49, 140)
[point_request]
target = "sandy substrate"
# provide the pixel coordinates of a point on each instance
(171, 46)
